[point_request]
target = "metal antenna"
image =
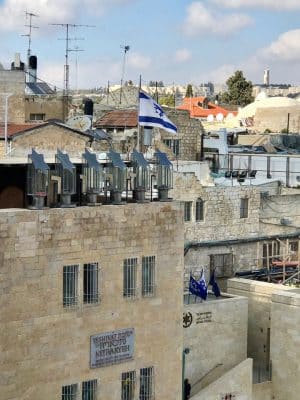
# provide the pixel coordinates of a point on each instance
(126, 48)
(30, 26)
(67, 39)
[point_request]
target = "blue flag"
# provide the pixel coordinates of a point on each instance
(198, 288)
(215, 288)
(151, 114)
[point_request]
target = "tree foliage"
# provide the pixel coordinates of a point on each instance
(189, 91)
(239, 90)
(168, 100)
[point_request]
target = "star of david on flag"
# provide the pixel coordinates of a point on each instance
(198, 288)
(151, 114)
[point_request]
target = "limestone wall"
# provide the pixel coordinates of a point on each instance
(221, 209)
(262, 391)
(275, 119)
(237, 382)
(51, 106)
(13, 82)
(50, 138)
(44, 345)
(189, 133)
(217, 338)
(259, 321)
(285, 324)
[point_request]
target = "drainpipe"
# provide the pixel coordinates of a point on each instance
(184, 353)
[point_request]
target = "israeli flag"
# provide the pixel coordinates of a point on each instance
(151, 114)
(198, 288)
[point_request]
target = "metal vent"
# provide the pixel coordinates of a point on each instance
(93, 181)
(164, 175)
(37, 179)
(140, 176)
(117, 175)
(67, 173)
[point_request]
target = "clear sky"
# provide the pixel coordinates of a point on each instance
(178, 41)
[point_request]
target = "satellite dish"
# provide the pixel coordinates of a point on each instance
(229, 116)
(210, 118)
(220, 117)
(80, 122)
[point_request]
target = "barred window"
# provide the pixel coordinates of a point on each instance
(90, 283)
(70, 285)
(129, 277)
(148, 276)
(187, 211)
(223, 265)
(244, 208)
(174, 145)
(89, 390)
(199, 210)
(69, 392)
(128, 385)
(146, 383)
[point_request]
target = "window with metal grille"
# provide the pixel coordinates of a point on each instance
(129, 277)
(89, 390)
(37, 117)
(187, 211)
(70, 285)
(174, 145)
(146, 383)
(199, 210)
(148, 276)
(222, 264)
(90, 283)
(128, 385)
(244, 208)
(69, 392)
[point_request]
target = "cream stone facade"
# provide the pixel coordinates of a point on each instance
(46, 345)
(273, 336)
(216, 337)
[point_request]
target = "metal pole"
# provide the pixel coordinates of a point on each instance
(185, 351)
(138, 112)
(5, 122)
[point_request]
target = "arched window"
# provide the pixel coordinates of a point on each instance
(199, 210)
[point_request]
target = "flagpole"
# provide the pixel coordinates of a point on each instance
(138, 113)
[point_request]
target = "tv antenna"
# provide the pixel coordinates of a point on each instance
(125, 48)
(68, 50)
(30, 26)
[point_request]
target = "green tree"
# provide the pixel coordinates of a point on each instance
(239, 90)
(167, 100)
(189, 91)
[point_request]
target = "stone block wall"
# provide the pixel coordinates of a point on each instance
(189, 134)
(275, 119)
(14, 82)
(44, 345)
(221, 209)
(216, 338)
(51, 106)
(285, 322)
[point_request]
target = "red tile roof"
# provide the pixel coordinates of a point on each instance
(195, 106)
(118, 119)
(13, 129)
